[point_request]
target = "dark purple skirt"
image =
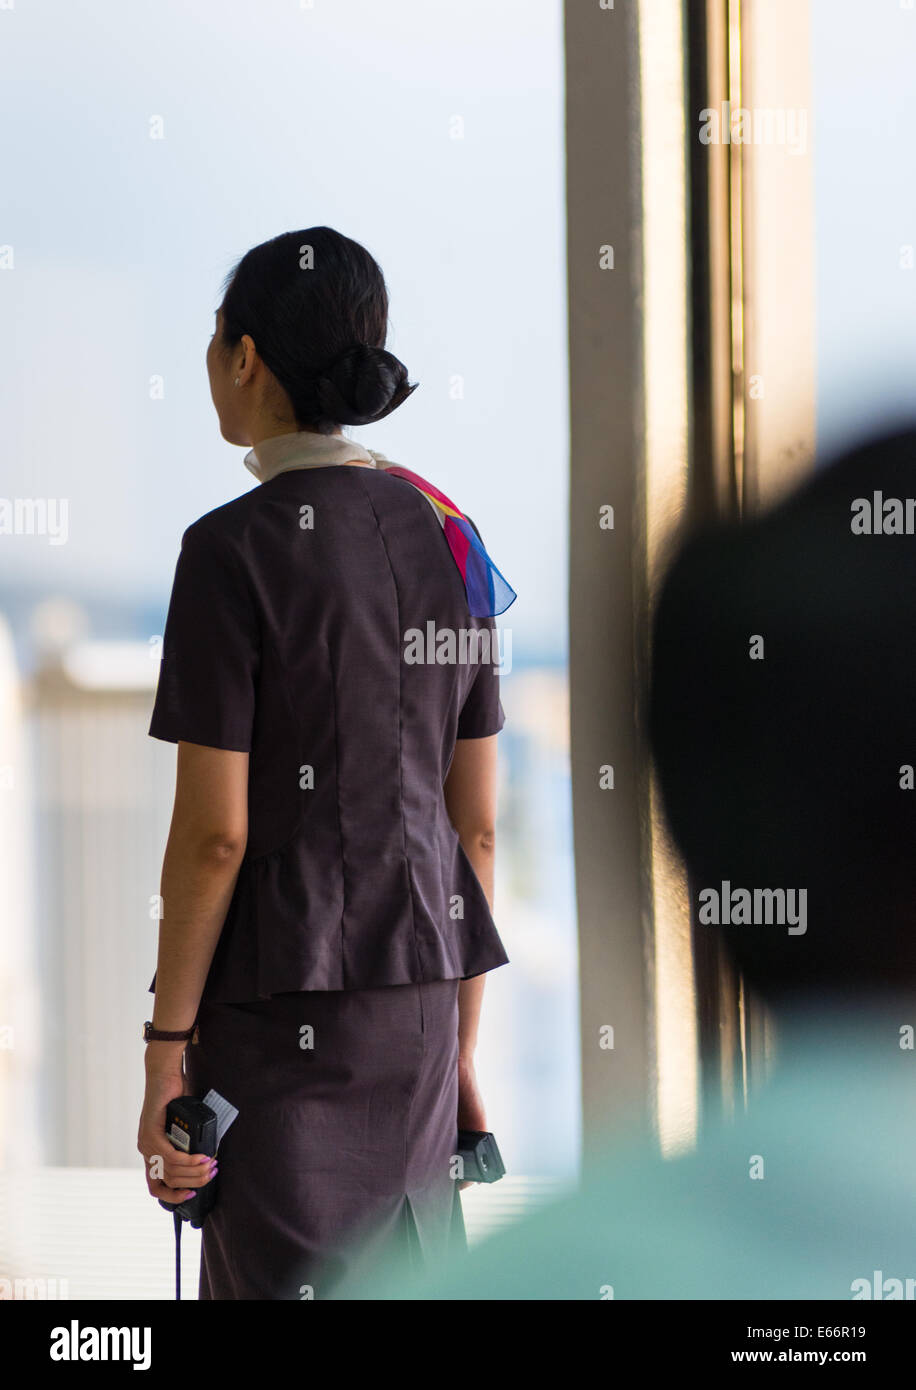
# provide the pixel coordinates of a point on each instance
(339, 1164)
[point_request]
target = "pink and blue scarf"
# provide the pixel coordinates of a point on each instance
(489, 592)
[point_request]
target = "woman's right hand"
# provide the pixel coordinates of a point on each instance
(171, 1175)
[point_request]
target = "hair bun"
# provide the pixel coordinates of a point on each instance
(362, 385)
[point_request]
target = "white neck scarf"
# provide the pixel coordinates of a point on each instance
(306, 449)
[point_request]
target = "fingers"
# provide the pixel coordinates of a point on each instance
(175, 1190)
(187, 1171)
(168, 1194)
(183, 1173)
(169, 1168)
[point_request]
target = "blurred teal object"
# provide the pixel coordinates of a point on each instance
(810, 1195)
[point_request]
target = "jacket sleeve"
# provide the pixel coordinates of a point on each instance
(210, 649)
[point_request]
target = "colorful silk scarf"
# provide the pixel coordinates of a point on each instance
(489, 592)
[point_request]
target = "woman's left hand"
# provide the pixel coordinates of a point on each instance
(171, 1175)
(471, 1113)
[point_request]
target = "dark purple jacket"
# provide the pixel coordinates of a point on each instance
(288, 637)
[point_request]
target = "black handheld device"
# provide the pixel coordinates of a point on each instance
(191, 1126)
(480, 1156)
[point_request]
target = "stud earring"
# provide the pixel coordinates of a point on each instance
(236, 381)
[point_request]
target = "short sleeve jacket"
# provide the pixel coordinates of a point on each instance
(320, 623)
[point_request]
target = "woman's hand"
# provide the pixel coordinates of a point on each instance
(471, 1113)
(170, 1174)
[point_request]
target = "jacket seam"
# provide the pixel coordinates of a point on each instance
(410, 884)
(283, 674)
(340, 835)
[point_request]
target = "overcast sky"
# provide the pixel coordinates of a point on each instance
(278, 117)
(864, 141)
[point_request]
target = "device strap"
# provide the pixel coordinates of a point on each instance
(178, 1225)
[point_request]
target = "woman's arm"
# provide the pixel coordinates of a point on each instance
(205, 848)
(470, 798)
(206, 844)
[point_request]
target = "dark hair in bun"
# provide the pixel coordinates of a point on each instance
(363, 384)
(316, 306)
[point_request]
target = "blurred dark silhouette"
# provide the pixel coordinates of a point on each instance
(786, 771)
